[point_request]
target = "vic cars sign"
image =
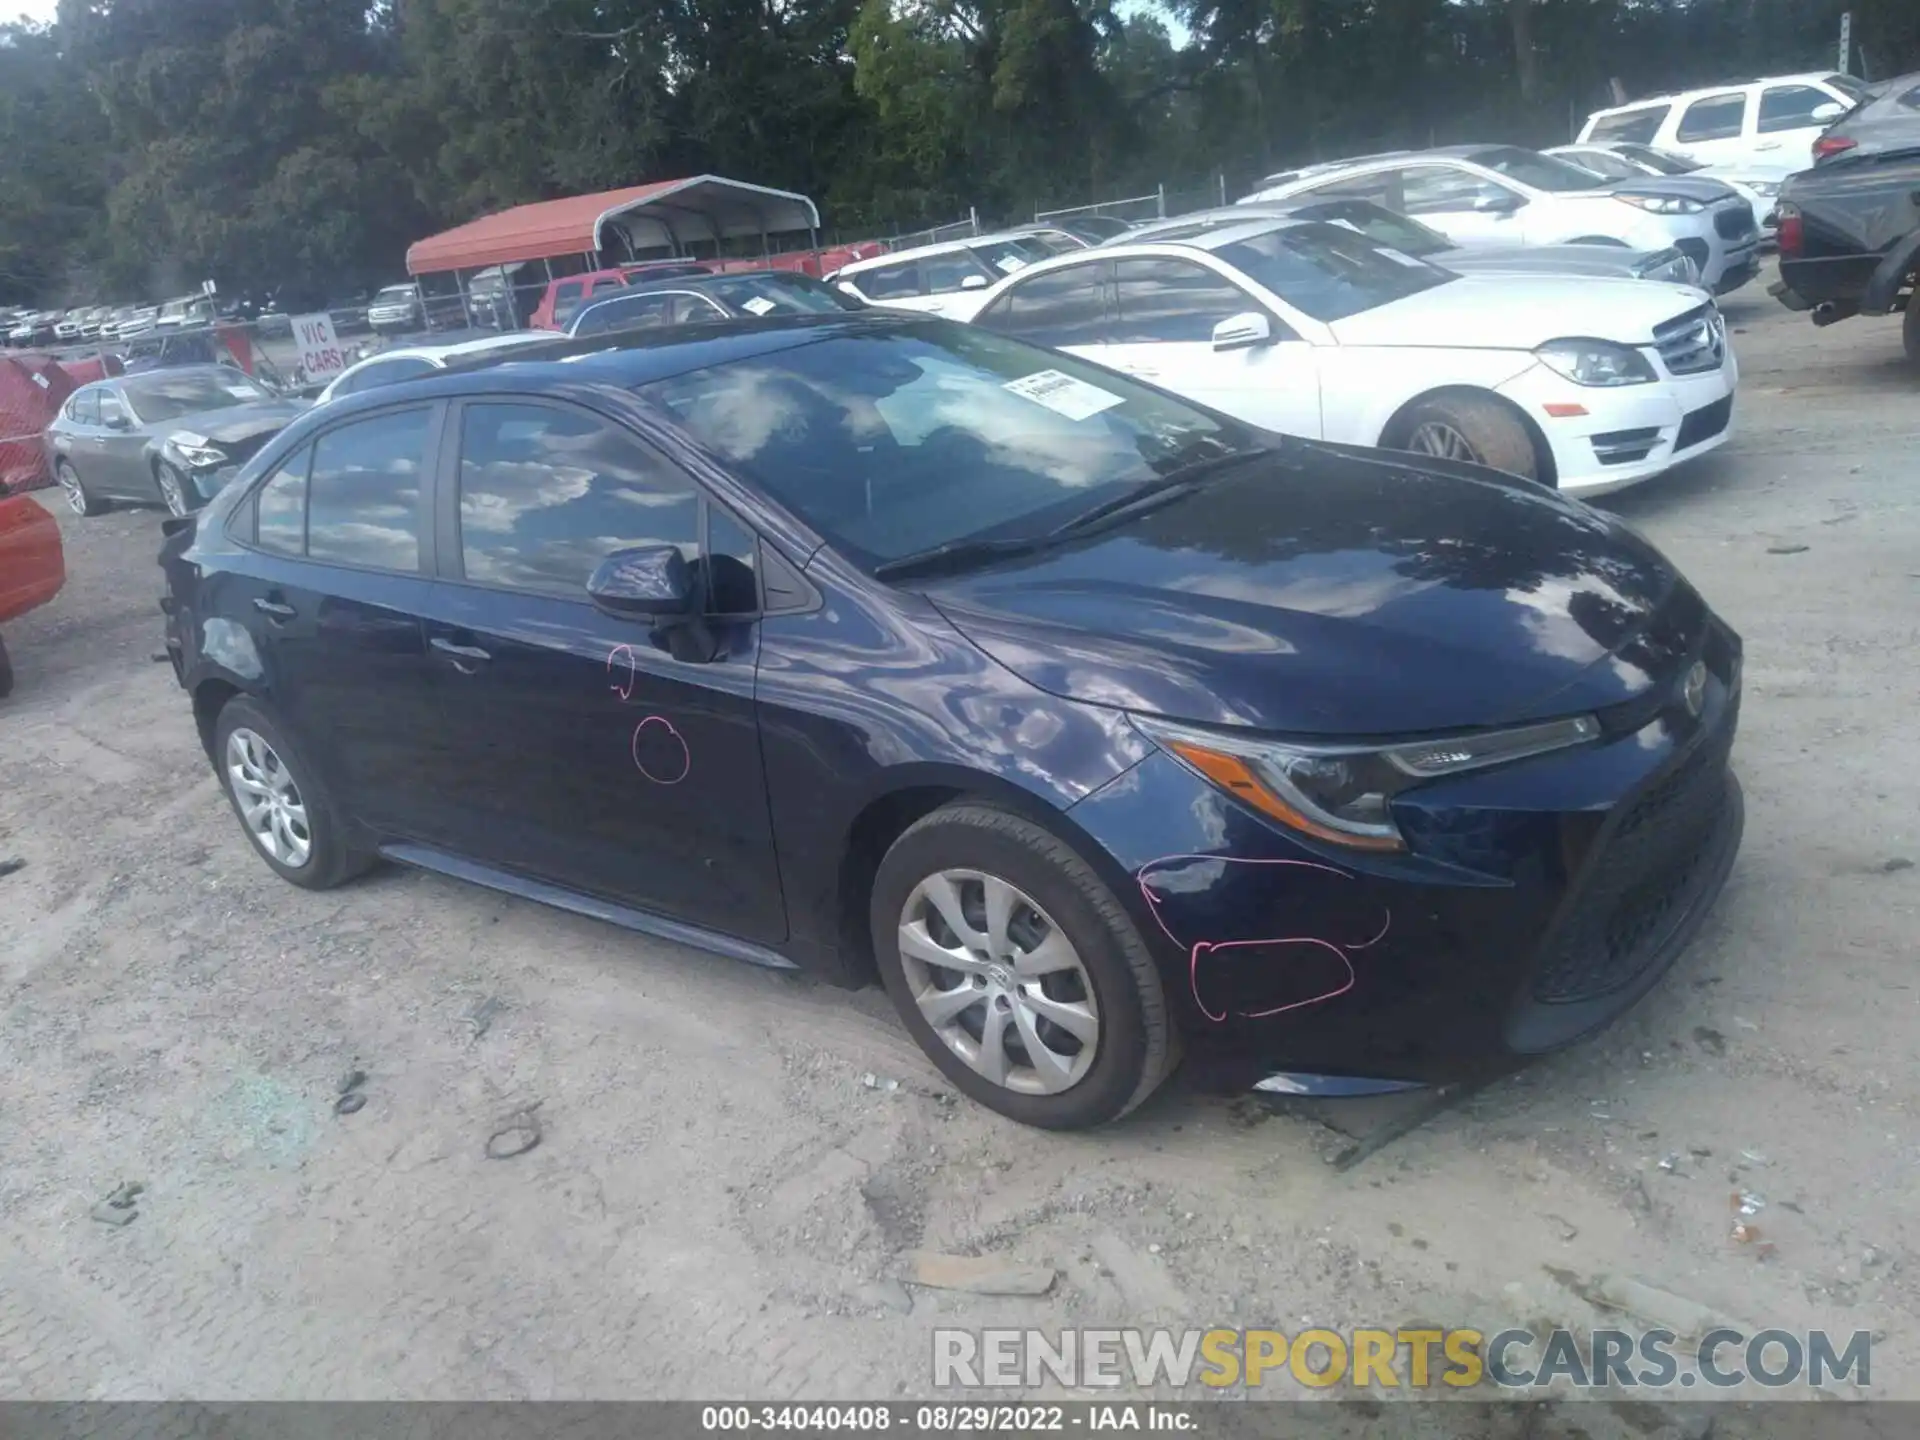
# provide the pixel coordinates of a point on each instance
(320, 353)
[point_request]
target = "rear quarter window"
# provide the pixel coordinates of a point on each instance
(1633, 127)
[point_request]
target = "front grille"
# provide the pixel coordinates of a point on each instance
(1734, 222)
(1704, 423)
(1693, 344)
(1650, 872)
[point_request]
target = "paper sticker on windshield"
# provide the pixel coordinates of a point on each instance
(241, 392)
(1398, 258)
(758, 305)
(1007, 264)
(1063, 394)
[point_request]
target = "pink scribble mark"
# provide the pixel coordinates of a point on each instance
(1201, 949)
(624, 689)
(666, 725)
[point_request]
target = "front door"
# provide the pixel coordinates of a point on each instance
(1713, 128)
(120, 453)
(598, 752)
(1468, 208)
(1165, 311)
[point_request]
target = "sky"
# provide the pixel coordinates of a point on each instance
(39, 12)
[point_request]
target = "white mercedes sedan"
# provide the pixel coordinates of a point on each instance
(1315, 330)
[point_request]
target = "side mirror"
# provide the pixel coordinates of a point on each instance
(1828, 112)
(116, 421)
(1501, 204)
(652, 582)
(1243, 332)
(973, 282)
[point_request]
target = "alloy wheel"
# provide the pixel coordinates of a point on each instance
(172, 490)
(999, 982)
(269, 799)
(70, 487)
(1439, 439)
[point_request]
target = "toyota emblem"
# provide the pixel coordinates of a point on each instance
(1693, 694)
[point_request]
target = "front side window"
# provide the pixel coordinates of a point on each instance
(1443, 190)
(1328, 272)
(363, 505)
(1717, 117)
(547, 493)
(888, 282)
(169, 394)
(84, 408)
(943, 274)
(112, 411)
(1172, 301)
(895, 442)
(1637, 127)
(1536, 171)
(280, 507)
(1790, 107)
(1063, 307)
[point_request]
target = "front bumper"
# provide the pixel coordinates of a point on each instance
(1632, 433)
(1537, 902)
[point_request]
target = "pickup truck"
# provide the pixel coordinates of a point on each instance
(32, 566)
(1850, 241)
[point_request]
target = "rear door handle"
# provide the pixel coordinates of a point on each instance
(274, 608)
(460, 652)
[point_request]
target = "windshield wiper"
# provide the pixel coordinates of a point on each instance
(955, 555)
(1154, 493)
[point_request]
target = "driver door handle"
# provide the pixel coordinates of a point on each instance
(275, 608)
(459, 652)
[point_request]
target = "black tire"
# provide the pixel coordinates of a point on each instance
(6, 671)
(1492, 433)
(1910, 327)
(1137, 1047)
(331, 860)
(81, 500)
(165, 475)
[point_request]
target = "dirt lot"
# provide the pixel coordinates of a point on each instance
(721, 1202)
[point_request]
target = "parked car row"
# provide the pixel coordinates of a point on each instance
(103, 322)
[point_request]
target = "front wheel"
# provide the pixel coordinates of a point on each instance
(1017, 971)
(1473, 428)
(175, 489)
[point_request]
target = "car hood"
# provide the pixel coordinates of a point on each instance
(240, 430)
(1517, 312)
(1604, 260)
(1332, 591)
(1685, 187)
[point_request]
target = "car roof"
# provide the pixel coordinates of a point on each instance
(943, 247)
(1670, 97)
(694, 282)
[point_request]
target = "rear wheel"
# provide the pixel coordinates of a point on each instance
(1478, 430)
(80, 500)
(282, 803)
(1017, 971)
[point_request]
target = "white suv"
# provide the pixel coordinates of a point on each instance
(1766, 123)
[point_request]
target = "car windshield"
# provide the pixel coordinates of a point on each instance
(395, 292)
(894, 442)
(1329, 272)
(779, 294)
(1664, 161)
(171, 394)
(1849, 87)
(1377, 222)
(1541, 172)
(1007, 256)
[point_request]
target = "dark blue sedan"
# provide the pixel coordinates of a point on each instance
(1098, 727)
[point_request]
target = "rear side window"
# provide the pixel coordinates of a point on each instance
(280, 507)
(547, 493)
(888, 282)
(1791, 107)
(1632, 127)
(363, 500)
(1717, 117)
(1063, 307)
(1171, 301)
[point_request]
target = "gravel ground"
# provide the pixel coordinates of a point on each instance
(721, 1203)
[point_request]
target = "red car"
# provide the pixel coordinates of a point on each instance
(565, 297)
(32, 565)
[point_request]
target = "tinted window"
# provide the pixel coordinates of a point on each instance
(1063, 307)
(1790, 107)
(1171, 300)
(280, 508)
(1328, 272)
(1715, 118)
(1008, 256)
(1637, 126)
(893, 442)
(888, 282)
(546, 494)
(1530, 167)
(170, 394)
(627, 312)
(84, 408)
(384, 372)
(364, 492)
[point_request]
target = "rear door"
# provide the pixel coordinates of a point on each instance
(1784, 128)
(328, 600)
(597, 752)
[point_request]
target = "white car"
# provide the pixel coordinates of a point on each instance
(940, 279)
(1313, 330)
(1767, 122)
(410, 362)
(1758, 185)
(1481, 195)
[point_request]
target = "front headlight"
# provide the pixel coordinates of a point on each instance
(1663, 204)
(198, 452)
(1674, 268)
(1596, 362)
(1340, 793)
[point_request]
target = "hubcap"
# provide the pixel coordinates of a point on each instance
(269, 800)
(172, 492)
(70, 486)
(1437, 438)
(1000, 983)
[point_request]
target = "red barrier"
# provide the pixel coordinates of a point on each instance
(32, 390)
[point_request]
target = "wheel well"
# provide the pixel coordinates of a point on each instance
(1542, 452)
(872, 835)
(210, 697)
